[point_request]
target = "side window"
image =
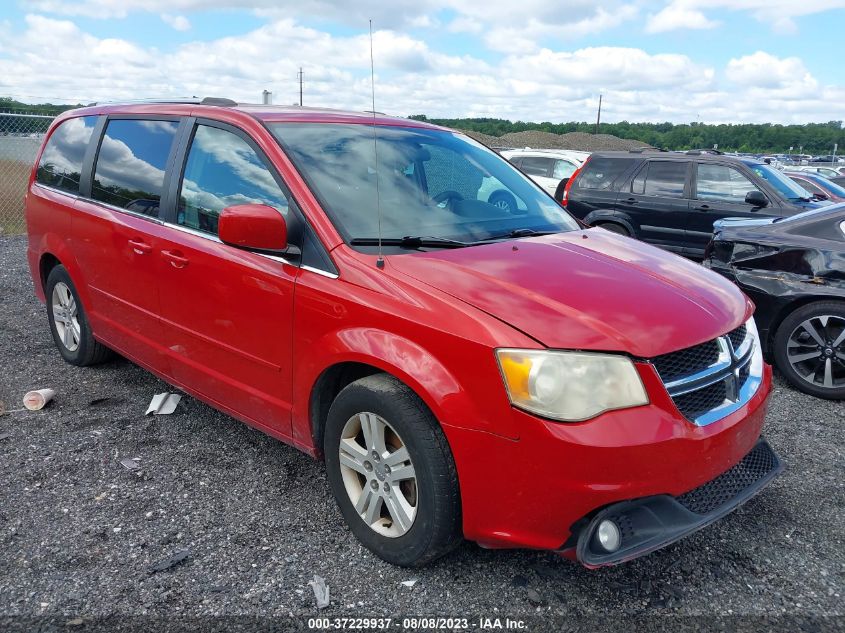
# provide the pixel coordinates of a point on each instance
(665, 179)
(722, 184)
(809, 186)
(61, 162)
(536, 165)
(130, 164)
(600, 173)
(563, 169)
(222, 170)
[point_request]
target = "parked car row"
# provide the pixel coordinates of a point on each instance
(674, 200)
(347, 283)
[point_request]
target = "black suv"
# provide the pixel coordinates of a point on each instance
(672, 199)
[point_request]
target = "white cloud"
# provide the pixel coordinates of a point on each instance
(178, 22)
(779, 14)
(537, 83)
(675, 17)
(762, 70)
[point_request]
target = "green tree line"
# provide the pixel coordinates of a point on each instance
(813, 138)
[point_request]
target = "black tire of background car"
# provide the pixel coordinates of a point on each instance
(437, 527)
(781, 340)
(614, 228)
(90, 351)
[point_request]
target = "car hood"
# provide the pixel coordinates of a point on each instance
(588, 289)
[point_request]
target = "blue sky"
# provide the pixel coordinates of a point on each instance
(653, 60)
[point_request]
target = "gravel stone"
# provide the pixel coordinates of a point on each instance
(78, 532)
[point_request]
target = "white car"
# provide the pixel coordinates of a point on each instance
(546, 167)
(827, 172)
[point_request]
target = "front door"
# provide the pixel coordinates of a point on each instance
(226, 312)
(720, 192)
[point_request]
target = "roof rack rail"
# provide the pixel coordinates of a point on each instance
(698, 152)
(214, 101)
(641, 150)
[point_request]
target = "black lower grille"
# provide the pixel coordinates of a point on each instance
(753, 467)
(695, 403)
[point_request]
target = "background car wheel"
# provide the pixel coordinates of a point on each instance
(809, 349)
(68, 323)
(504, 201)
(391, 472)
(614, 228)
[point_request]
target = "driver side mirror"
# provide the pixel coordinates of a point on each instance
(756, 199)
(253, 227)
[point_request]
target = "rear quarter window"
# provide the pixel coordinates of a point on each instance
(60, 165)
(601, 173)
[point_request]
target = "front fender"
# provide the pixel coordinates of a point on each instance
(446, 394)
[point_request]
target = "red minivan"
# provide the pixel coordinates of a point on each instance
(342, 282)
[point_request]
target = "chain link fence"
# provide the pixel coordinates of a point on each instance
(21, 135)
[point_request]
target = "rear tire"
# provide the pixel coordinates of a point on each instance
(613, 227)
(397, 469)
(809, 349)
(69, 324)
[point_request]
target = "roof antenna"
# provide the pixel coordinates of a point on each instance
(380, 260)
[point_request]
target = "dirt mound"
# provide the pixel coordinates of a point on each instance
(537, 139)
(573, 140)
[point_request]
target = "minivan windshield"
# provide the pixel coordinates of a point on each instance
(786, 187)
(435, 188)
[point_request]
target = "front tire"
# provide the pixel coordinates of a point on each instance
(391, 472)
(809, 349)
(68, 322)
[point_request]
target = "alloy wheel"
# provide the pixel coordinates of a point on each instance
(66, 316)
(816, 351)
(378, 474)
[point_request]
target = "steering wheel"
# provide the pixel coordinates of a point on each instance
(446, 199)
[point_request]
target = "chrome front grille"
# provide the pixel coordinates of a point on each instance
(713, 379)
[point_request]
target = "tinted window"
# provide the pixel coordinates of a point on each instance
(563, 169)
(601, 173)
(536, 165)
(787, 188)
(665, 179)
(722, 183)
(223, 170)
(131, 162)
(61, 163)
(809, 186)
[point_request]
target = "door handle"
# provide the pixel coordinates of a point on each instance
(631, 201)
(703, 207)
(175, 258)
(140, 247)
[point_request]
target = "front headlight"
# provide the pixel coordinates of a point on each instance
(570, 386)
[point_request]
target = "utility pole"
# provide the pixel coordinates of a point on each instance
(598, 117)
(300, 85)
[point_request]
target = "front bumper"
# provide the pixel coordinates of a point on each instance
(531, 492)
(653, 522)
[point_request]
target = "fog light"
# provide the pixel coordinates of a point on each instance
(609, 536)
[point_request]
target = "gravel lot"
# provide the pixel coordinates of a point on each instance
(79, 531)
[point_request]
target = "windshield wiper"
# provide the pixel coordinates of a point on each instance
(410, 241)
(517, 233)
